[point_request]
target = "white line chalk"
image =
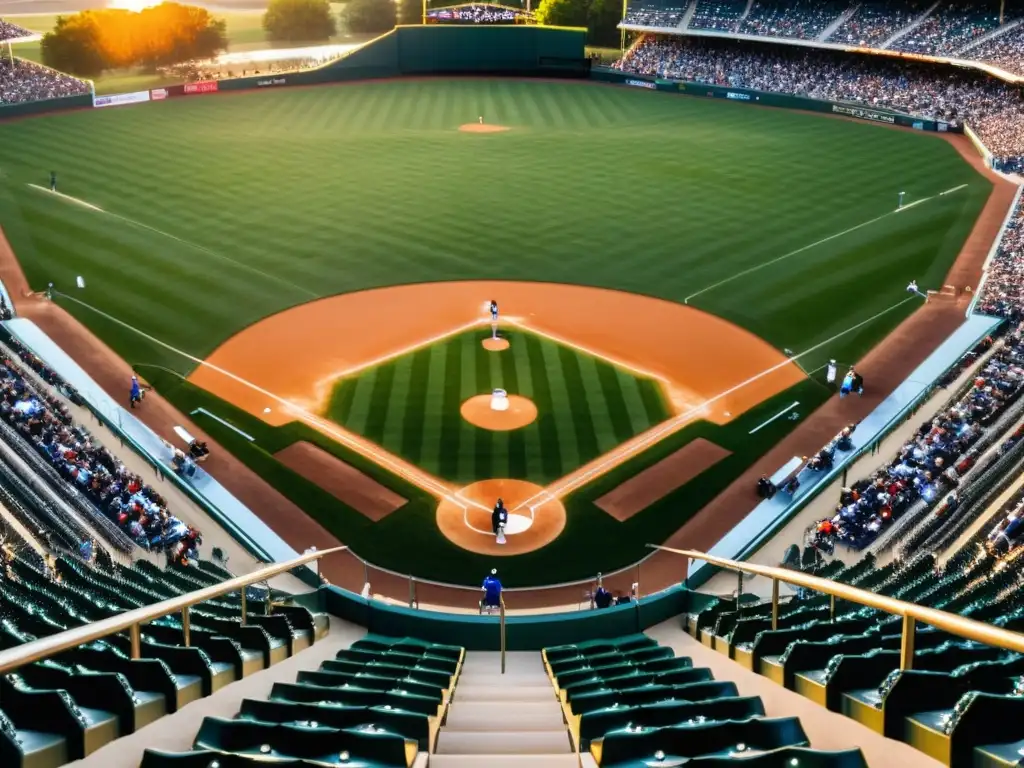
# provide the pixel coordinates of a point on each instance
(778, 415)
(69, 198)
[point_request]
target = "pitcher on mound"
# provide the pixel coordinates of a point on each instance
(494, 320)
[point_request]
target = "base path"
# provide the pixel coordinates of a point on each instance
(469, 525)
(659, 480)
(341, 480)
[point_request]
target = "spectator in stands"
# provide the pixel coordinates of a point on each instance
(9, 31)
(765, 487)
(602, 597)
(22, 81)
(992, 108)
(492, 592)
(87, 549)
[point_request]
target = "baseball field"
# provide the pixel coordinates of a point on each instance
(311, 267)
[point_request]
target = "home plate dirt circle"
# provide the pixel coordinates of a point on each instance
(495, 345)
(465, 517)
(478, 412)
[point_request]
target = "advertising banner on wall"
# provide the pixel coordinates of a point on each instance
(206, 86)
(158, 94)
(120, 99)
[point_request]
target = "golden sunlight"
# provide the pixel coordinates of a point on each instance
(133, 5)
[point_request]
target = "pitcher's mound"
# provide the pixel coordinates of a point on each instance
(482, 128)
(495, 345)
(477, 411)
(465, 518)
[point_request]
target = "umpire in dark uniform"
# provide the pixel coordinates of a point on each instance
(499, 516)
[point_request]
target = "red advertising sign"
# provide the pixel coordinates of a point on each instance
(207, 86)
(158, 94)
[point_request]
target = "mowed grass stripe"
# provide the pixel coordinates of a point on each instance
(394, 419)
(561, 401)
(466, 444)
(598, 407)
(433, 408)
(380, 399)
(531, 438)
(618, 413)
(362, 401)
(501, 442)
(451, 426)
(416, 398)
(487, 450)
(654, 400)
(633, 402)
(340, 409)
(553, 453)
(579, 405)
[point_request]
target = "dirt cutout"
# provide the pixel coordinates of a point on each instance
(495, 345)
(469, 525)
(478, 412)
(341, 480)
(483, 128)
(659, 480)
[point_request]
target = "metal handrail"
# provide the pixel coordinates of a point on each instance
(501, 623)
(133, 620)
(969, 629)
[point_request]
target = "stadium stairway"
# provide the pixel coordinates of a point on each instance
(509, 720)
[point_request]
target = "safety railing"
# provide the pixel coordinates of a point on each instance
(501, 622)
(911, 613)
(134, 620)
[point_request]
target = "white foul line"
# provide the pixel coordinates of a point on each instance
(413, 475)
(780, 414)
(675, 424)
(815, 244)
(187, 243)
(69, 198)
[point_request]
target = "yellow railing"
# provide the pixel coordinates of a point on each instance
(133, 620)
(911, 613)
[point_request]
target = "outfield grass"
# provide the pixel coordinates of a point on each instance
(408, 540)
(215, 202)
(410, 406)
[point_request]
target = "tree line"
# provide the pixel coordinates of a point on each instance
(88, 43)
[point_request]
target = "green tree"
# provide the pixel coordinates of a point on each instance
(370, 16)
(74, 46)
(600, 17)
(410, 11)
(304, 21)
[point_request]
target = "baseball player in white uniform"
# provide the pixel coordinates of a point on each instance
(494, 319)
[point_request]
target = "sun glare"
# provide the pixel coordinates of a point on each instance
(133, 5)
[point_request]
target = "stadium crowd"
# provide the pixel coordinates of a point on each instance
(22, 81)
(1005, 51)
(872, 23)
(949, 28)
(993, 109)
(9, 31)
(120, 494)
(802, 19)
(1003, 291)
(717, 15)
(929, 465)
(654, 15)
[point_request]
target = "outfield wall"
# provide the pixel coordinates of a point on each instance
(768, 99)
(27, 108)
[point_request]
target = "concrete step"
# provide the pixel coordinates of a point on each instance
(495, 678)
(516, 661)
(503, 743)
(503, 761)
(523, 693)
(480, 716)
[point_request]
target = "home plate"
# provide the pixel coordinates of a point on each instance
(517, 524)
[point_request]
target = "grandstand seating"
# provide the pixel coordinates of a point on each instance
(71, 704)
(957, 701)
(803, 19)
(378, 703)
(717, 15)
(647, 13)
(631, 702)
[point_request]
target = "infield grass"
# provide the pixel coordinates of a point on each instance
(410, 407)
